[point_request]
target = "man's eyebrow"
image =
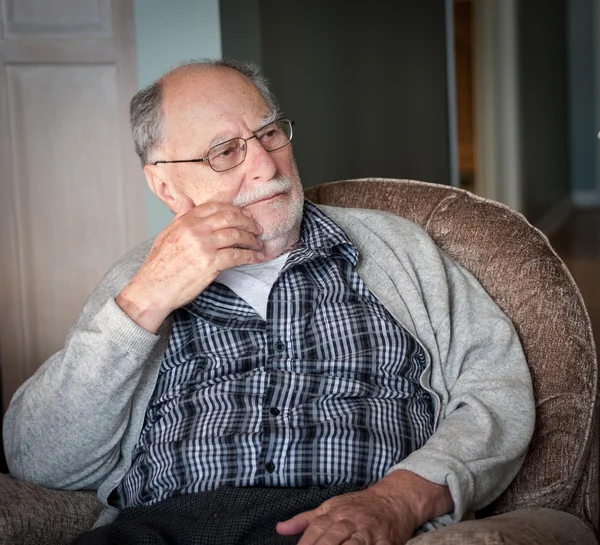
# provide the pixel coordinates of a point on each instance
(220, 139)
(273, 116)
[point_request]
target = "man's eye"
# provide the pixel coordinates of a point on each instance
(224, 151)
(270, 134)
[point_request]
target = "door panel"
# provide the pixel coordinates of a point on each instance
(71, 190)
(60, 17)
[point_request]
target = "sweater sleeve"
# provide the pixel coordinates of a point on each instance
(487, 406)
(52, 433)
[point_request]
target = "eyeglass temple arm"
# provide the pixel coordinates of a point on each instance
(180, 161)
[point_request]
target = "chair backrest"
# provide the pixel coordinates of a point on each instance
(521, 272)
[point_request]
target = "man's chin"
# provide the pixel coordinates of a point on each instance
(273, 232)
(281, 223)
(278, 243)
(280, 218)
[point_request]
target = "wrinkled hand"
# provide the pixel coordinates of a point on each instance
(358, 518)
(387, 513)
(186, 257)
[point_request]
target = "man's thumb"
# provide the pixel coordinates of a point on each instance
(186, 206)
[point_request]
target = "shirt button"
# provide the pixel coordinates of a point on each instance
(280, 346)
(270, 466)
(275, 411)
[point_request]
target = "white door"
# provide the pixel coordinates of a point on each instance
(71, 190)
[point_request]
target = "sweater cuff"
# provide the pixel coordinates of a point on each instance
(123, 331)
(440, 469)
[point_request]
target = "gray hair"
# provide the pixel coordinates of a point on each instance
(145, 108)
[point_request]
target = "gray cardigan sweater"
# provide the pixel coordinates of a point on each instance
(74, 423)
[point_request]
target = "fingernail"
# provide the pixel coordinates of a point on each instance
(246, 213)
(260, 256)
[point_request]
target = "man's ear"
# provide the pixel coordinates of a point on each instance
(160, 185)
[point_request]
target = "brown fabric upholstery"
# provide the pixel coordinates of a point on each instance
(518, 268)
(516, 265)
(32, 515)
(537, 526)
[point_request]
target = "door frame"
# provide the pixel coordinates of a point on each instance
(497, 134)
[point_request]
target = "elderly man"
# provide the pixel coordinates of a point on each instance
(262, 345)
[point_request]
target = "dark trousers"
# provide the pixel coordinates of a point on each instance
(227, 516)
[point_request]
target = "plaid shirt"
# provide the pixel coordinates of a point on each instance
(325, 391)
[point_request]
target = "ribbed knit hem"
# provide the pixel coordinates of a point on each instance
(123, 331)
(444, 470)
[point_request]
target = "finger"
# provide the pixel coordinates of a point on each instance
(356, 540)
(359, 539)
(230, 238)
(325, 531)
(232, 257)
(232, 218)
(296, 524)
(211, 208)
(186, 206)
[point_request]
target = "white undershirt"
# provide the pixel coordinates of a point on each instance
(253, 283)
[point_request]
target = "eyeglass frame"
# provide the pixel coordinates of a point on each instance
(254, 135)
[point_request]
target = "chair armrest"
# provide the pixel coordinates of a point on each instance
(533, 526)
(31, 514)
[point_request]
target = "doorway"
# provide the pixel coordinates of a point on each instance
(463, 71)
(486, 76)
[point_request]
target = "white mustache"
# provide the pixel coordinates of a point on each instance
(281, 184)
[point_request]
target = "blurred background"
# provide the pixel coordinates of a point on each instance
(499, 97)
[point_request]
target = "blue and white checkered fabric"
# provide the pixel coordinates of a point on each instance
(325, 391)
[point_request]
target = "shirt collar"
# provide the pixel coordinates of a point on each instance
(321, 236)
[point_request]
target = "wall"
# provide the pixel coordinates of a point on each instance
(168, 33)
(543, 108)
(241, 30)
(402, 82)
(366, 83)
(596, 45)
(582, 95)
(308, 54)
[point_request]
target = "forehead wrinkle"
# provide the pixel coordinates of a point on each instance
(188, 93)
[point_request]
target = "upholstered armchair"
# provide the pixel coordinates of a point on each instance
(554, 498)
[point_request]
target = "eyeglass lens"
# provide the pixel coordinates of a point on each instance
(230, 154)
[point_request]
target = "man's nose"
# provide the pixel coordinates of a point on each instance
(259, 162)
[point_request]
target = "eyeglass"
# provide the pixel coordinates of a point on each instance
(232, 153)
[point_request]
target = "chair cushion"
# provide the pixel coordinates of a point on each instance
(535, 526)
(32, 515)
(516, 265)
